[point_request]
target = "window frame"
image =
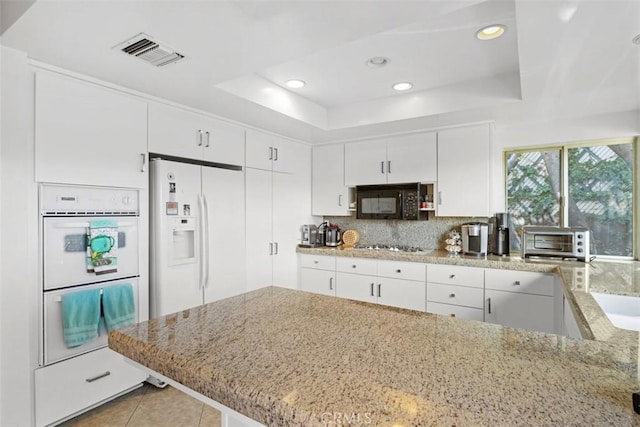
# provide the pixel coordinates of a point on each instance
(564, 148)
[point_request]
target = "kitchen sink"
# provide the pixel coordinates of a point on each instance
(623, 311)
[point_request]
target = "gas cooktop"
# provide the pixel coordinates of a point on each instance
(389, 248)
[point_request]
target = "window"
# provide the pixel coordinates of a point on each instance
(581, 185)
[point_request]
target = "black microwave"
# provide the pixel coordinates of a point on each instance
(391, 201)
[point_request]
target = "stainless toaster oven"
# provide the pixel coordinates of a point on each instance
(558, 242)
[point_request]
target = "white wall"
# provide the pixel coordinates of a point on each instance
(19, 231)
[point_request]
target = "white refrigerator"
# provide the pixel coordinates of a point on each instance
(197, 235)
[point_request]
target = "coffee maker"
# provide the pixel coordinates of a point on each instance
(500, 234)
(475, 238)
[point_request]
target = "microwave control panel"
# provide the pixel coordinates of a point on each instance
(410, 205)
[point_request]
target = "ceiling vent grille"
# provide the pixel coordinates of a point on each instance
(149, 50)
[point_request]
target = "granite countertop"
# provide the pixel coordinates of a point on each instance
(579, 279)
(291, 358)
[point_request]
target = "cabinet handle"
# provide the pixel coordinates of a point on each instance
(517, 283)
(452, 295)
(270, 153)
(439, 197)
(379, 290)
(275, 248)
(389, 166)
(144, 161)
(97, 377)
(382, 166)
(489, 304)
(372, 285)
(452, 276)
(270, 248)
(398, 271)
(339, 199)
(330, 283)
(275, 157)
(200, 134)
(208, 134)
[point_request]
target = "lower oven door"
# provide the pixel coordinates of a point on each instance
(65, 250)
(55, 348)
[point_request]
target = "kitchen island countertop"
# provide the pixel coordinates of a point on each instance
(291, 358)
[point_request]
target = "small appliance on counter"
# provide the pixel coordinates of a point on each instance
(309, 236)
(334, 236)
(499, 234)
(475, 237)
(556, 242)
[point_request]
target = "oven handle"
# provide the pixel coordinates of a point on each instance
(86, 224)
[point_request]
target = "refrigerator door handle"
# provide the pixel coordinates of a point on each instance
(205, 233)
(201, 238)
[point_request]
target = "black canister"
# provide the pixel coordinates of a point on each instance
(501, 234)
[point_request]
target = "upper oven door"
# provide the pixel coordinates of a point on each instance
(379, 205)
(65, 251)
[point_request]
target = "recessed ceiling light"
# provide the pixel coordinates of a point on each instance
(377, 62)
(295, 84)
(402, 86)
(636, 39)
(490, 32)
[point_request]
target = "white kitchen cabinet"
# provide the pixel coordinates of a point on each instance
(520, 310)
(329, 194)
(277, 204)
(394, 283)
(401, 293)
(181, 133)
(318, 274)
(271, 152)
(521, 299)
(360, 287)
(397, 159)
(455, 290)
(87, 134)
(64, 389)
(464, 159)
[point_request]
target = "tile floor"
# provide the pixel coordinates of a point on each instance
(150, 406)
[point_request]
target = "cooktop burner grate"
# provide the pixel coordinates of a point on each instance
(390, 248)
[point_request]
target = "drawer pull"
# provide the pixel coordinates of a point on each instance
(97, 377)
(353, 266)
(452, 276)
(452, 295)
(315, 262)
(398, 271)
(453, 315)
(517, 283)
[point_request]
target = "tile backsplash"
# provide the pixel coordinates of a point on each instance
(428, 234)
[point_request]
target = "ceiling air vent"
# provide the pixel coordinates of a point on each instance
(149, 50)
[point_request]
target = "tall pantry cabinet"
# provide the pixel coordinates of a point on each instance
(278, 202)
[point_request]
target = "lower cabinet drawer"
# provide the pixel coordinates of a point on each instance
(321, 262)
(455, 295)
(69, 387)
(402, 270)
(465, 313)
(519, 281)
(357, 265)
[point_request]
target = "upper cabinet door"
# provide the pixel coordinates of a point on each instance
(87, 134)
(223, 142)
(464, 171)
(175, 132)
(412, 158)
(259, 150)
(365, 163)
(329, 194)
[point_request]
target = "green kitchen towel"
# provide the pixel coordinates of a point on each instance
(102, 244)
(80, 317)
(118, 306)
